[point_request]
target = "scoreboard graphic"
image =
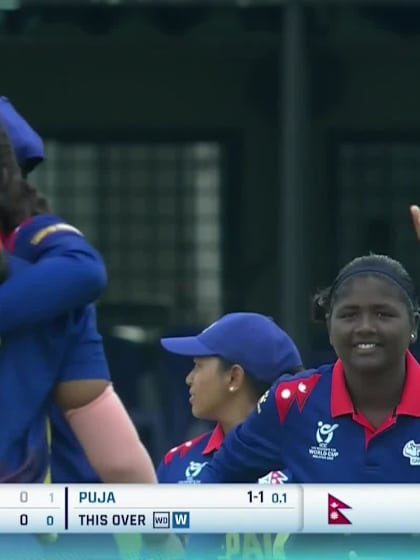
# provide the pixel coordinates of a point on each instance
(209, 508)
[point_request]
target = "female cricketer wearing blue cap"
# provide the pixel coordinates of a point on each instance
(236, 360)
(68, 274)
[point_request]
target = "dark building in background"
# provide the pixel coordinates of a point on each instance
(223, 157)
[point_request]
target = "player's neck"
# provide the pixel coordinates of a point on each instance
(376, 391)
(235, 415)
(12, 219)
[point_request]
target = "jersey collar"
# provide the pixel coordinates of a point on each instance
(410, 400)
(215, 441)
(342, 404)
(9, 241)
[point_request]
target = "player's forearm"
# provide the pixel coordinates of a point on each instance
(49, 288)
(110, 441)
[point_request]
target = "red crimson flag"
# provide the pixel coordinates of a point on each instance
(335, 517)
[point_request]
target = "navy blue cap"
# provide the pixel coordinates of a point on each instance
(253, 341)
(27, 143)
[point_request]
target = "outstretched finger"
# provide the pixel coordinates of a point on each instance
(415, 216)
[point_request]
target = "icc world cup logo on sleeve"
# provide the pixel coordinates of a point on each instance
(192, 473)
(324, 435)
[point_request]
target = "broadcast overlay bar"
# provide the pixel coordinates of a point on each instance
(210, 508)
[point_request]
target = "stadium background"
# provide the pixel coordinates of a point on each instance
(222, 156)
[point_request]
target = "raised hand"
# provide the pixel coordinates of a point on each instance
(415, 216)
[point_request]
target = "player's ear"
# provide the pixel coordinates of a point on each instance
(414, 332)
(236, 377)
(328, 323)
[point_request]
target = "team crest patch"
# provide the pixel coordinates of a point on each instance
(411, 450)
(324, 436)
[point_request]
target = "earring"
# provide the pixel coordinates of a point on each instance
(413, 336)
(231, 389)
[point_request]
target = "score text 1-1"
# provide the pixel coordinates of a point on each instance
(257, 497)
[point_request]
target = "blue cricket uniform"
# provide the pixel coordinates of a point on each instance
(307, 425)
(68, 460)
(32, 362)
(39, 238)
(36, 240)
(184, 464)
(69, 274)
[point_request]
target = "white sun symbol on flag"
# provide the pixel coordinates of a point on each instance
(334, 515)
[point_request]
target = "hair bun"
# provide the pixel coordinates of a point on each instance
(320, 305)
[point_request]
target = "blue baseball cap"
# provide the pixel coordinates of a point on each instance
(27, 144)
(253, 341)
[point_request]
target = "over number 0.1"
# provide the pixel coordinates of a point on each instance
(50, 520)
(279, 498)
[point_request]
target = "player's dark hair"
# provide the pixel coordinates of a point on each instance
(380, 266)
(29, 165)
(8, 162)
(19, 199)
(258, 387)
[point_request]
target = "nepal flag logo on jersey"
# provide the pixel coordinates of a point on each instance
(274, 477)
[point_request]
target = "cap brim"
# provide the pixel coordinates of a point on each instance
(185, 346)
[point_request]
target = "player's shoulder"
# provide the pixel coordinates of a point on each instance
(187, 449)
(297, 388)
(40, 227)
(31, 234)
(304, 379)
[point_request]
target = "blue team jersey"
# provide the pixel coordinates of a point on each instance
(183, 464)
(48, 235)
(38, 239)
(32, 362)
(88, 361)
(41, 237)
(307, 425)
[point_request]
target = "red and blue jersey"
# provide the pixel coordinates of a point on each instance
(307, 426)
(183, 464)
(41, 239)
